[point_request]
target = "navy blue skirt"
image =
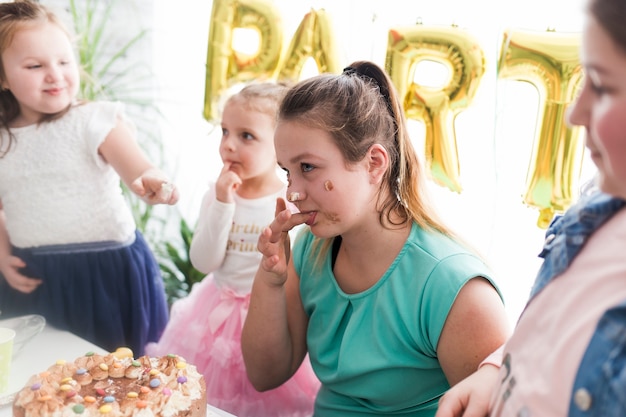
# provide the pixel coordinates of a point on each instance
(108, 293)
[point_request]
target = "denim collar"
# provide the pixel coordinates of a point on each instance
(567, 234)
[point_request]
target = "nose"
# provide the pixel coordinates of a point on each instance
(578, 111)
(294, 195)
(228, 143)
(54, 74)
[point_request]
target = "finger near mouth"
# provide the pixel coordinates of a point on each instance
(310, 219)
(304, 217)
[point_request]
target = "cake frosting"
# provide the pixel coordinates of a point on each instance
(114, 385)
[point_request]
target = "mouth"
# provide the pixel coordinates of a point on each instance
(53, 91)
(310, 219)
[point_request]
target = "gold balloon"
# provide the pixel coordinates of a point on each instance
(315, 39)
(549, 61)
(225, 66)
(436, 107)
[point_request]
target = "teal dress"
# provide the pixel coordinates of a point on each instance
(375, 351)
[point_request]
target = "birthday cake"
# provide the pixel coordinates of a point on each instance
(114, 385)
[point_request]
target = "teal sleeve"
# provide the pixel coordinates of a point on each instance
(442, 288)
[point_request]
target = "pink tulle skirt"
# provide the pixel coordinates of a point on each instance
(205, 329)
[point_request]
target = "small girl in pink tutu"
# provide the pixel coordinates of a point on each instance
(205, 327)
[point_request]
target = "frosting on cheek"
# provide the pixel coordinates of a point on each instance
(328, 185)
(333, 217)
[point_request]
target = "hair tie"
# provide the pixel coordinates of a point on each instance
(349, 71)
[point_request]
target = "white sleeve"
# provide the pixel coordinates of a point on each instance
(210, 238)
(103, 116)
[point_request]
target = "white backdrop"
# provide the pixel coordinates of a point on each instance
(494, 135)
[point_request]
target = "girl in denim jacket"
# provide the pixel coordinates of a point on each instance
(568, 352)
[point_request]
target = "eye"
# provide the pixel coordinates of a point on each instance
(247, 136)
(598, 89)
(306, 167)
(595, 84)
(224, 132)
(33, 66)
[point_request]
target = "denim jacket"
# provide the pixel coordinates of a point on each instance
(600, 386)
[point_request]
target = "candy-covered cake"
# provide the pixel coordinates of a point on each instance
(114, 385)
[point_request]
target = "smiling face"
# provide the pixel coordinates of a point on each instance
(247, 143)
(601, 106)
(339, 197)
(41, 71)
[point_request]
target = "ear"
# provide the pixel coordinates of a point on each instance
(378, 162)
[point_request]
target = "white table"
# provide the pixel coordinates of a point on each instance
(45, 349)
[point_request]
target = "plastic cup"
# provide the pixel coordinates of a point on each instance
(6, 351)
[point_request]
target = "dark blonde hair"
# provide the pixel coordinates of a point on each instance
(14, 16)
(360, 108)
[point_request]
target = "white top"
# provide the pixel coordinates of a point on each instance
(57, 189)
(226, 236)
(542, 357)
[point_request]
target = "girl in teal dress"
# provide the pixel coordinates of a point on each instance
(390, 306)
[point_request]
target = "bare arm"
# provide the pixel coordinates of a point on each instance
(475, 327)
(274, 334)
(121, 150)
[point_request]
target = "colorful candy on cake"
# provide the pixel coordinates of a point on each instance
(115, 385)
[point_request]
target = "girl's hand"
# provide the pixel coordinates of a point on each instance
(471, 396)
(274, 242)
(120, 149)
(20, 282)
(226, 184)
(154, 188)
